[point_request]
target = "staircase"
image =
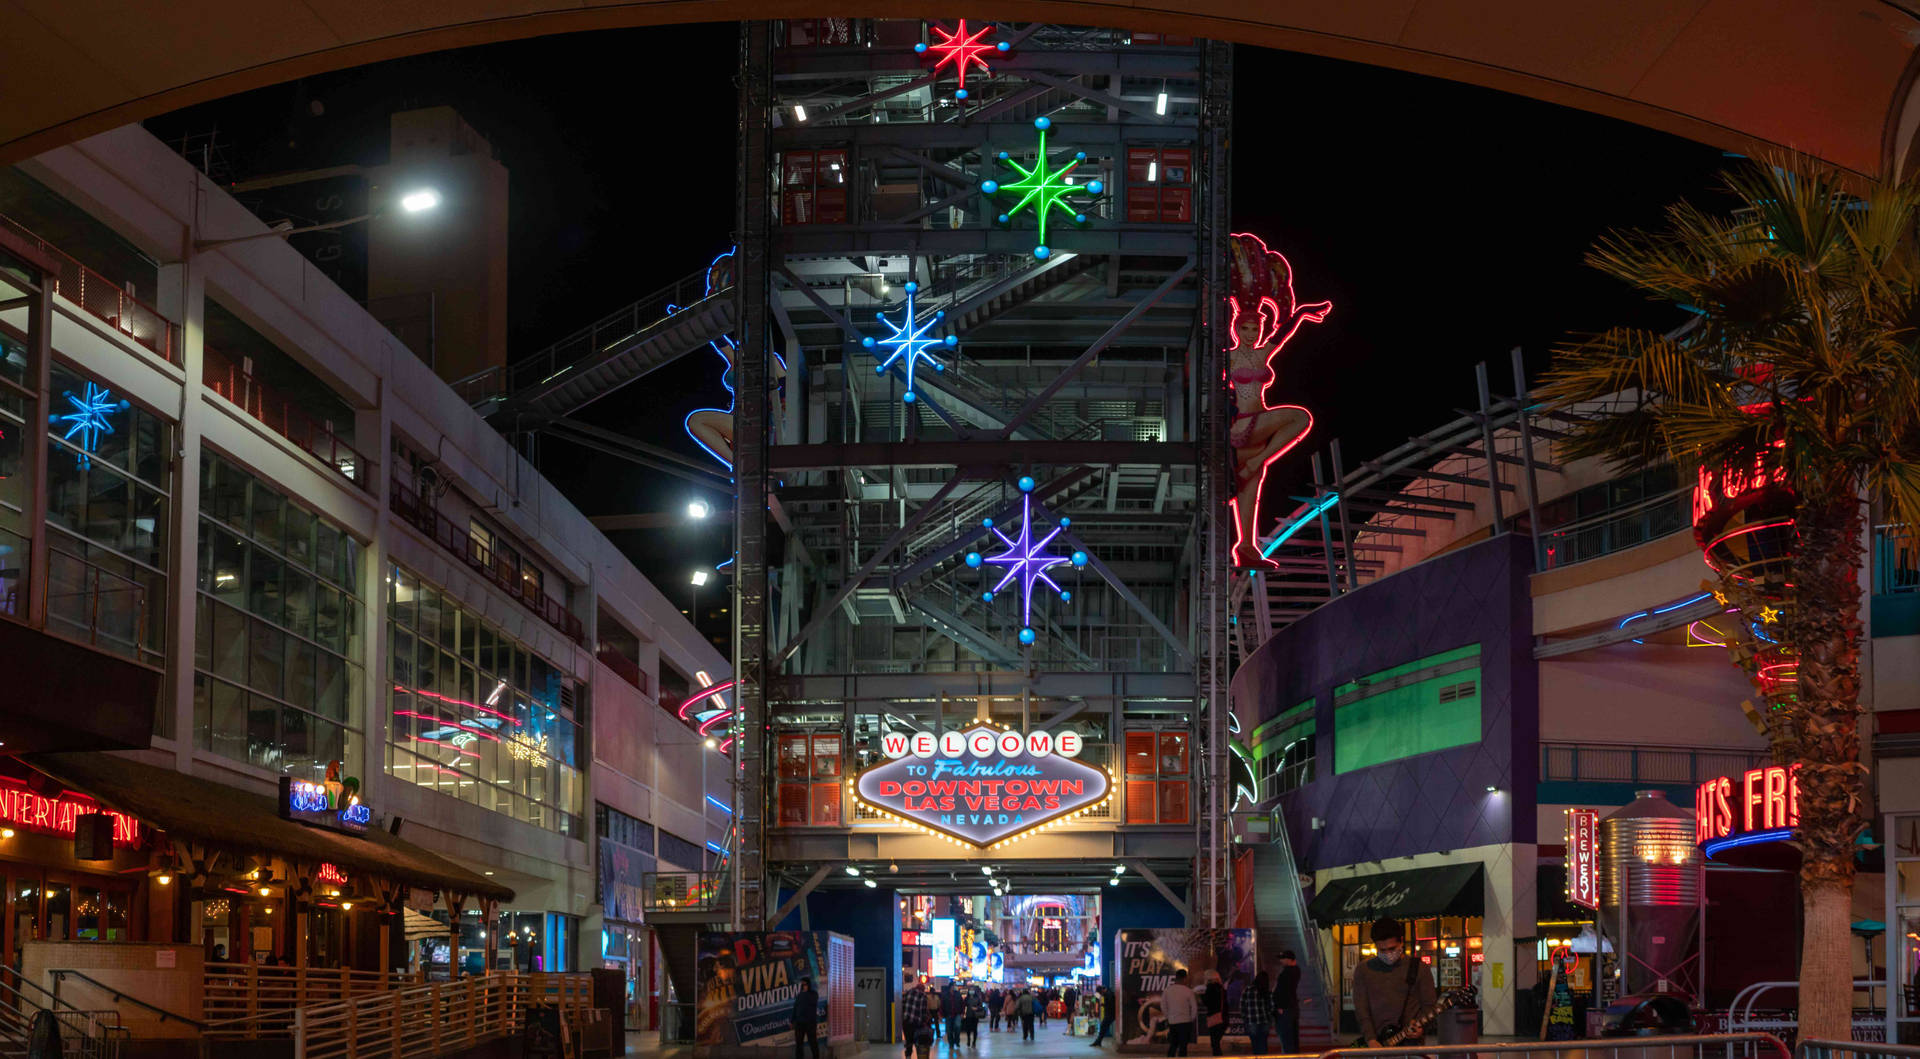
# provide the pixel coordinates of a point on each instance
(1280, 918)
(83, 1034)
(618, 349)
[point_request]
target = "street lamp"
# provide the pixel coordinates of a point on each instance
(419, 200)
(698, 509)
(699, 578)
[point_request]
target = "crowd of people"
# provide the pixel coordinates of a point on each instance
(1266, 1006)
(953, 1013)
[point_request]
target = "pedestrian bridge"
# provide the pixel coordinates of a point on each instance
(1833, 78)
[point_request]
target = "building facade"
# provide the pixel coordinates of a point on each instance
(285, 546)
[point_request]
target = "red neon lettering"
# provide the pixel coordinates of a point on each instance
(1722, 811)
(1776, 812)
(889, 788)
(1273, 319)
(1755, 791)
(1793, 796)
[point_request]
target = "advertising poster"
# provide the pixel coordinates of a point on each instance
(747, 982)
(1148, 958)
(942, 963)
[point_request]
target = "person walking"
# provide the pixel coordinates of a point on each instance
(1010, 1008)
(993, 1010)
(976, 1008)
(950, 1004)
(1386, 993)
(1040, 1005)
(913, 1021)
(1071, 999)
(1103, 997)
(1024, 1008)
(1256, 1012)
(1181, 1010)
(1214, 1000)
(1286, 1002)
(805, 1019)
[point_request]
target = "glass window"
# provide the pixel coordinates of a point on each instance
(282, 639)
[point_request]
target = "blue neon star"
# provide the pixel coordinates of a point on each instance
(909, 341)
(89, 418)
(1027, 559)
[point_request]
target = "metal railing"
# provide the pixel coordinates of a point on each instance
(16, 572)
(96, 606)
(1615, 530)
(436, 1018)
(282, 415)
(458, 540)
(245, 1000)
(1688, 1046)
(83, 1034)
(683, 891)
(102, 298)
(1663, 765)
(504, 380)
(1745, 1015)
(1814, 1048)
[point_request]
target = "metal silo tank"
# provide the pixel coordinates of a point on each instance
(1652, 895)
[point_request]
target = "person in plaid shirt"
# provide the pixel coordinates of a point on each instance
(913, 1016)
(1256, 1011)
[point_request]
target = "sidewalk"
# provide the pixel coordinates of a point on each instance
(1049, 1043)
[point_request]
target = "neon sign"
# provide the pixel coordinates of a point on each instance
(29, 811)
(909, 342)
(1042, 187)
(1583, 857)
(1762, 806)
(323, 805)
(1026, 559)
(89, 418)
(331, 874)
(1731, 482)
(962, 49)
(1264, 317)
(984, 786)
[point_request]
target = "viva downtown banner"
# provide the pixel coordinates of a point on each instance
(1149, 956)
(747, 982)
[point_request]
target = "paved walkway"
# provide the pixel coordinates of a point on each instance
(1048, 1043)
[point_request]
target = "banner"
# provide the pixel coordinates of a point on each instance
(747, 982)
(1583, 857)
(1150, 956)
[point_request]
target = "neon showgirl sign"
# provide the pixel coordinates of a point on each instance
(1265, 315)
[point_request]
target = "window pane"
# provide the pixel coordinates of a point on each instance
(1140, 753)
(1173, 801)
(269, 516)
(263, 732)
(264, 577)
(1173, 753)
(226, 577)
(330, 692)
(326, 551)
(301, 673)
(297, 595)
(266, 658)
(329, 621)
(406, 598)
(229, 643)
(299, 535)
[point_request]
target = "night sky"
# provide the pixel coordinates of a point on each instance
(1445, 222)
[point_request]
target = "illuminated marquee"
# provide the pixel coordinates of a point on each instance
(1583, 857)
(29, 811)
(323, 805)
(984, 786)
(1763, 805)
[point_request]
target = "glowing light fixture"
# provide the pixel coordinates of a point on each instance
(799, 112)
(420, 200)
(909, 343)
(700, 577)
(851, 870)
(963, 50)
(871, 885)
(1160, 105)
(698, 509)
(1026, 559)
(1043, 187)
(88, 419)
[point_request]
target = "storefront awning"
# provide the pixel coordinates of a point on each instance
(1448, 890)
(232, 819)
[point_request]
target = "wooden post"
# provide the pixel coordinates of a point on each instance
(456, 904)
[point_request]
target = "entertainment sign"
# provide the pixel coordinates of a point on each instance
(1583, 857)
(984, 786)
(328, 805)
(1762, 805)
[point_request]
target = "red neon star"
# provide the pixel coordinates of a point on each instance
(961, 49)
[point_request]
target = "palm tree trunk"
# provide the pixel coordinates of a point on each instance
(1823, 738)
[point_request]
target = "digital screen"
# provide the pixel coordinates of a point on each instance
(941, 966)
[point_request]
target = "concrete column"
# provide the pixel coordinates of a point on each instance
(182, 295)
(1510, 914)
(373, 435)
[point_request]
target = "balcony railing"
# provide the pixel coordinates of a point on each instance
(282, 415)
(683, 891)
(105, 299)
(1616, 530)
(1652, 765)
(459, 541)
(628, 669)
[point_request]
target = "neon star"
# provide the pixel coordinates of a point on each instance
(1720, 598)
(1043, 188)
(1026, 559)
(89, 418)
(1769, 615)
(909, 342)
(962, 49)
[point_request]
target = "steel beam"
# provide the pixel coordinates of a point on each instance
(786, 907)
(880, 555)
(1119, 586)
(1139, 867)
(754, 168)
(1119, 328)
(988, 456)
(1072, 84)
(634, 450)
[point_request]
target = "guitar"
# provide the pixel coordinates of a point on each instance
(1391, 1035)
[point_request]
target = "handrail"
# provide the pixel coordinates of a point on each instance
(282, 415)
(1583, 1047)
(61, 974)
(57, 999)
(102, 298)
(1737, 1015)
(1810, 1047)
(424, 516)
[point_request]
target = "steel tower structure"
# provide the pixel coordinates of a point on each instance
(1087, 363)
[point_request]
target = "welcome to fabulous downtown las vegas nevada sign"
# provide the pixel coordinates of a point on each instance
(984, 786)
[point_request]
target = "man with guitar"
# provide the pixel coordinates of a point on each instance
(1392, 990)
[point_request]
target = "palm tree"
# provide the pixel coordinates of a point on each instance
(1803, 361)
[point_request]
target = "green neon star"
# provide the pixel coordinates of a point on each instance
(1043, 188)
